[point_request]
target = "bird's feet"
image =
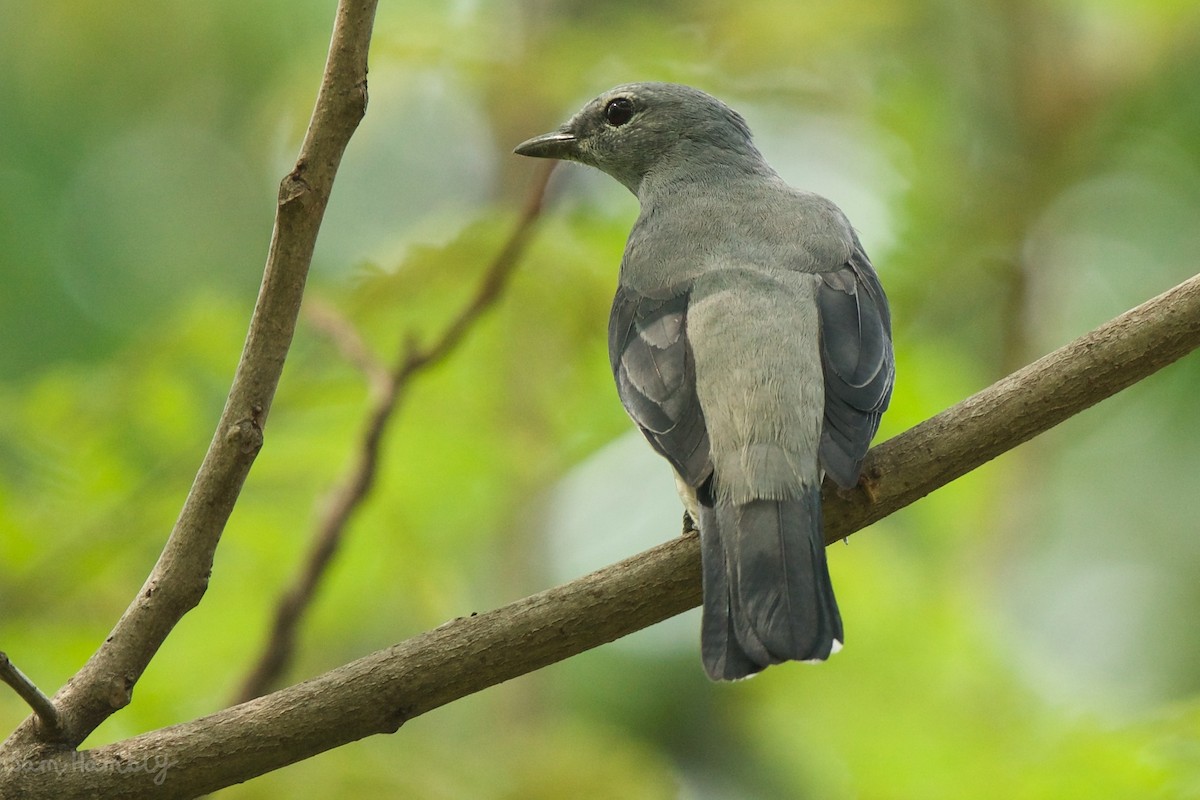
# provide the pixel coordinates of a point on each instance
(689, 524)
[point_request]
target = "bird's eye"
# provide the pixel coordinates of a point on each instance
(618, 111)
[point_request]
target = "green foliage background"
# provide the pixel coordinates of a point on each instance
(1020, 172)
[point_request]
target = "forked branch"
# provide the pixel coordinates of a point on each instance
(388, 386)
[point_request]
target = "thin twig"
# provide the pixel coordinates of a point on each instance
(389, 387)
(180, 577)
(493, 283)
(379, 692)
(339, 330)
(42, 706)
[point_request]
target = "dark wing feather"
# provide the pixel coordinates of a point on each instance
(856, 351)
(656, 378)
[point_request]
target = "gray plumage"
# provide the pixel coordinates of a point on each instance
(751, 343)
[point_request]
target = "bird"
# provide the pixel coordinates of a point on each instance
(751, 343)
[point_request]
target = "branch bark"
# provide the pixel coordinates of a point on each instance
(389, 387)
(180, 577)
(378, 693)
(43, 708)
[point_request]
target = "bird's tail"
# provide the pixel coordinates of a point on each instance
(767, 593)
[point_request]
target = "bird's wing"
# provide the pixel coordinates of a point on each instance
(656, 378)
(856, 351)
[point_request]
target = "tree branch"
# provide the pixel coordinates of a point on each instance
(339, 330)
(388, 387)
(46, 713)
(379, 692)
(180, 577)
(494, 281)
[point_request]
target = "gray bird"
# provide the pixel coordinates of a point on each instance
(751, 343)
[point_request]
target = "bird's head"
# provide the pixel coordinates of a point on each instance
(637, 129)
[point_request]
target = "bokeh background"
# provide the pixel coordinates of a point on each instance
(1020, 172)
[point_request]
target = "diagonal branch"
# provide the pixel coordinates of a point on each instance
(388, 388)
(493, 282)
(339, 330)
(180, 577)
(379, 692)
(46, 713)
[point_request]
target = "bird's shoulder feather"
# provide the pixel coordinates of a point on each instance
(655, 372)
(859, 366)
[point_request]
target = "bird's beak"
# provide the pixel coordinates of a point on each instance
(561, 143)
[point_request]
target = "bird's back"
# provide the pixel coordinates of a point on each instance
(687, 228)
